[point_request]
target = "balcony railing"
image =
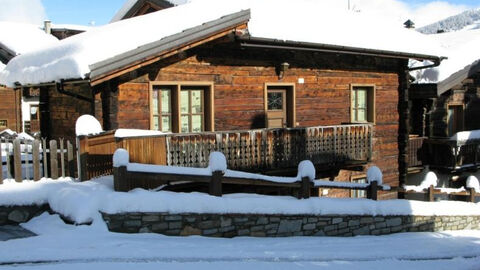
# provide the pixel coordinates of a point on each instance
(416, 151)
(453, 155)
(260, 150)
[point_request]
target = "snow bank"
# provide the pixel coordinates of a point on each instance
(374, 174)
(217, 162)
(81, 202)
(306, 169)
(430, 179)
(87, 125)
(71, 58)
(120, 158)
(127, 133)
(472, 182)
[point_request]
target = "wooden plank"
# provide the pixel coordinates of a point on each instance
(53, 159)
(9, 159)
(17, 159)
(36, 160)
(62, 157)
(27, 158)
(45, 165)
(71, 162)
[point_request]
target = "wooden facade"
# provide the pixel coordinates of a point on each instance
(10, 109)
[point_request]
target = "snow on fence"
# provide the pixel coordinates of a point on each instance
(128, 176)
(27, 159)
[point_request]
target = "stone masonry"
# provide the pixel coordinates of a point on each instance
(231, 225)
(20, 214)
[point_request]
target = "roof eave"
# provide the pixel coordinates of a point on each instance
(457, 77)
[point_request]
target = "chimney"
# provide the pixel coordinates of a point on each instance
(47, 26)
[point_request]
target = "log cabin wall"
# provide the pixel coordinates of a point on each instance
(239, 77)
(10, 109)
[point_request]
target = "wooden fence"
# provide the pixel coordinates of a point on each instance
(253, 150)
(430, 193)
(24, 159)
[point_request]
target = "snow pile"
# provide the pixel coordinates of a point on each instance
(374, 174)
(2, 67)
(453, 23)
(21, 38)
(82, 201)
(464, 136)
(128, 133)
(472, 182)
(306, 169)
(71, 58)
(217, 162)
(120, 158)
(430, 179)
(87, 125)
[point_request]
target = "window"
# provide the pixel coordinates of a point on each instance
(363, 104)
(34, 112)
(358, 193)
(3, 123)
(182, 107)
(455, 119)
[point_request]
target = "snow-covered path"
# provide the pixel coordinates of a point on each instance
(61, 246)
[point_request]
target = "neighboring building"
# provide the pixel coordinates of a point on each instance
(225, 68)
(133, 8)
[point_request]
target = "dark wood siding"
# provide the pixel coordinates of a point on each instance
(10, 108)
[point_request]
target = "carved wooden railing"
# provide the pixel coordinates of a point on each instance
(452, 155)
(252, 150)
(416, 151)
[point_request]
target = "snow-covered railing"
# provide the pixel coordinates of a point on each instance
(32, 159)
(128, 176)
(262, 150)
(429, 189)
(459, 152)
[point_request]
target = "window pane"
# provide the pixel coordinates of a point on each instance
(197, 101)
(184, 102)
(166, 124)
(361, 98)
(166, 101)
(155, 123)
(184, 124)
(361, 115)
(197, 123)
(275, 101)
(155, 101)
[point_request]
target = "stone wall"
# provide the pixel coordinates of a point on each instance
(20, 214)
(231, 225)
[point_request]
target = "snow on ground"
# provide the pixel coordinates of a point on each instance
(82, 201)
(71, 58)
(61, 246)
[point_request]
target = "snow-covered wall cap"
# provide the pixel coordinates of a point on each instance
(306, 169)
(87, 125)
(217, 162)
(120, 158)
(472, 182)
(374, 174)
(430, 179)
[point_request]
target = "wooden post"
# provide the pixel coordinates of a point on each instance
(71, 162)
(372, 191)
(1, 164)
(53, 159)
(429, 195)
(472, 195)
(62, 157)
(215, 186)
(36, 160)
(9, 160)
(45, 167)
(305, 188)
(119, 178)
(27, 158)
(17, 159)
(83, 150)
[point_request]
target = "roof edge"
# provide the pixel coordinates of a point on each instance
(458, 77)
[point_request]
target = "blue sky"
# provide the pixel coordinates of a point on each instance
(82, 12)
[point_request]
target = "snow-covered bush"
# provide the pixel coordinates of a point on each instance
(374, 174)
(87, 125)
(217, 162)
(472, 182)
(306, 169)
(120, 158)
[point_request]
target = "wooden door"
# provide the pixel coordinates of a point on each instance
(276, 114)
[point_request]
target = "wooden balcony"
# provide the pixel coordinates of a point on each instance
(268, 151)
(452, 155)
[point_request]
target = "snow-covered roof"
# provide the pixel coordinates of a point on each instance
(20, 38)
(131, 5)
(306, 21)
(462, 49)
(75, 27)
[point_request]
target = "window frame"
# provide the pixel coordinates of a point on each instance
(358, 193)
(6, 123)
(371, 102)
(175, 99)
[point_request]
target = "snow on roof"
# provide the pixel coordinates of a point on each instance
(306, 21)
(461, 48)
(21, 38)
(2, 66)
(71, 27)
(129, 4)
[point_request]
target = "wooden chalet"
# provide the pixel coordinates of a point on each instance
(343, 107)
(140, 7)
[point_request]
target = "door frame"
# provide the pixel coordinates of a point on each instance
(290, 102)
